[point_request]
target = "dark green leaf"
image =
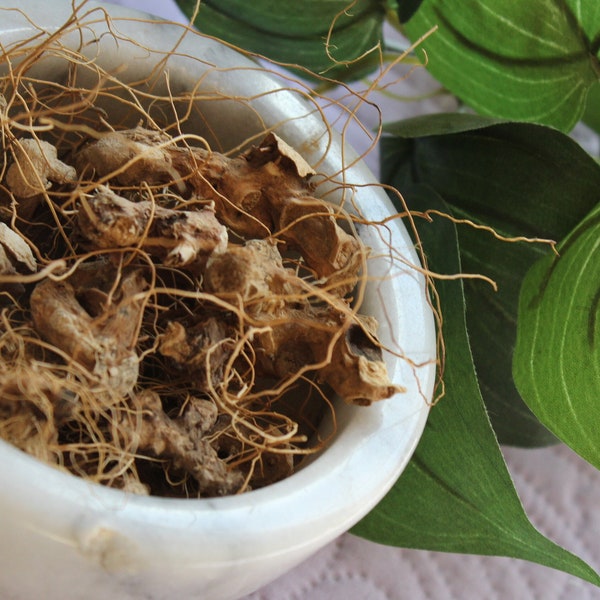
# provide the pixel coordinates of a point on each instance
(456, 494)
(439, 124)
(523, 180)
(591, 116)
(407, 8)
(297, 32)
(557, 357)
(529, 61)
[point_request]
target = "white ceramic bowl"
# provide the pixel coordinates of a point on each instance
(64, 538)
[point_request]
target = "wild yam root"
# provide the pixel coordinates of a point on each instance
(184, 443)
(301, 334)
(35, 167)
(104, 341)
(176, 237)
(265, 192)
(197, 292)
(15, 254)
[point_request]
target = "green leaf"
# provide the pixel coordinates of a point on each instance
(518, 178)
(557, 357)
(406, 9)
(297, 32)
(456, 494)
(529, 61)
(439, 124)
(591, 116)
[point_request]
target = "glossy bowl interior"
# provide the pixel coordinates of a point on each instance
(62, 537)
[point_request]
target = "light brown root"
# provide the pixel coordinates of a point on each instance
(187, 347)
(344, 355)
(262, 193)
(15, 254)
(105, 342)
(183, 443)
(35, 167)
(176, 237)
(28, 397)
(299, 331)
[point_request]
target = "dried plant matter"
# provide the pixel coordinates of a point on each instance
(182, 442)
(298, 333)
(263, 193)
(104, 342)
(35, 166)
(15, 254)
(173, 319)
(177, 237)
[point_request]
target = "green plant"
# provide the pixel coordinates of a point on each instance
(522, 363)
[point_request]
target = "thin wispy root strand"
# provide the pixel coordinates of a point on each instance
(173, 320)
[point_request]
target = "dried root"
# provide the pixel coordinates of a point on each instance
(176, 237)
(105, 342)
(15, 254)
(263, 193)
(35, 166)
(175, 319)
(182, 443)
(299, 333)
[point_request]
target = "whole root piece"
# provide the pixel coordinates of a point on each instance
(177, 237)
(301, 334)
(183, 442)
(103, 343)
(201, 348)
(35, 166)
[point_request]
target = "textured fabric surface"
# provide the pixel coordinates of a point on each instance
(560, 492)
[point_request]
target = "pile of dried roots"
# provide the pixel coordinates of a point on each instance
(173, 320)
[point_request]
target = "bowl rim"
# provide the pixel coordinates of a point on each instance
(385, 434)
